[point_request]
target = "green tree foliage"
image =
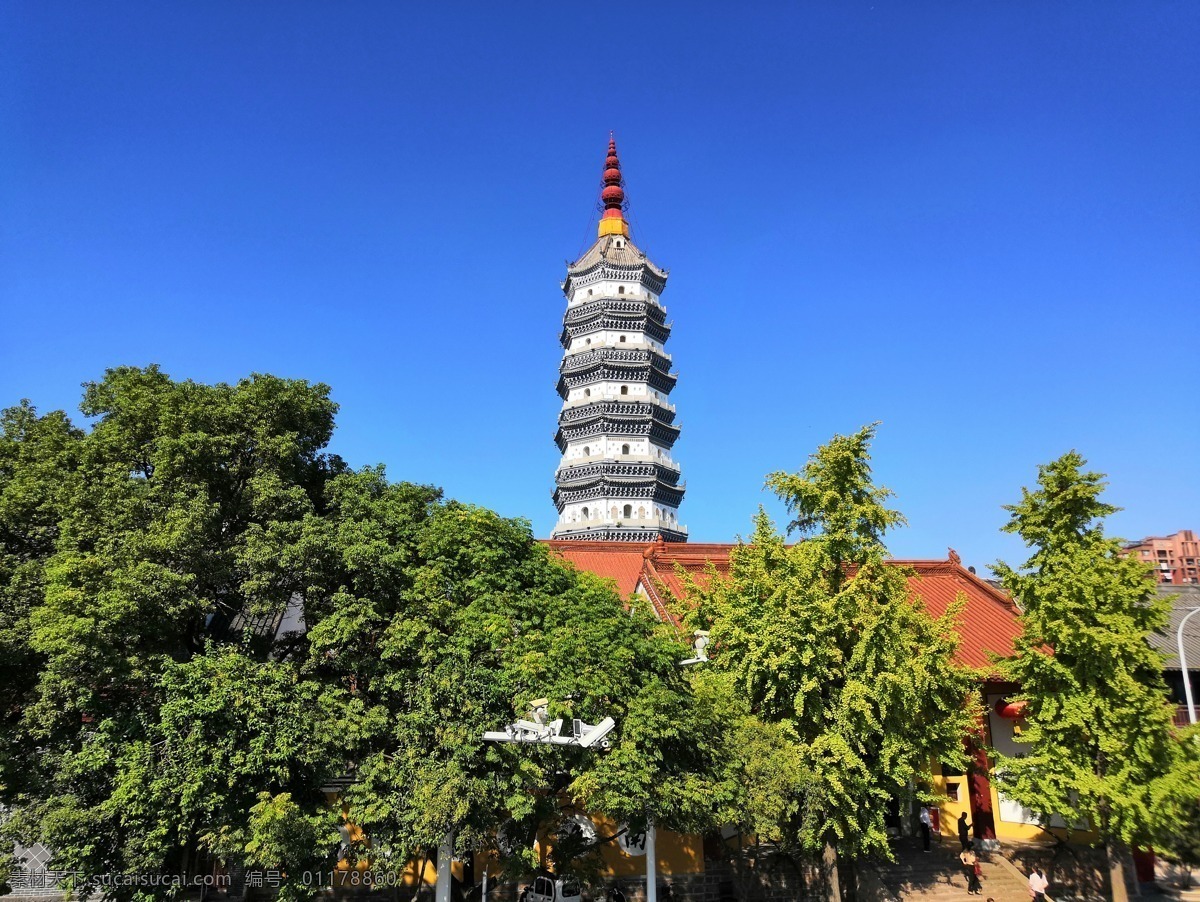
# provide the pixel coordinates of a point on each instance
(1176, 804)
(145, 714)
(38, 460)
(1099, 733)
(826, 644)
(157, 713)
(445, 621)
(290, 838)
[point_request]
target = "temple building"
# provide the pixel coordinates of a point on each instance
(652, 574)
(617, 481)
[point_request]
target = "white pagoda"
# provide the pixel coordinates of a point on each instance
(617, 480)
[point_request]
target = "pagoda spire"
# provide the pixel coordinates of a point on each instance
(612, 195)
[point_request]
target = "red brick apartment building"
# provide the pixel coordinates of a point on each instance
(1175, 558)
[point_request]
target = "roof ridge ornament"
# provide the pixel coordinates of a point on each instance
(612, 195)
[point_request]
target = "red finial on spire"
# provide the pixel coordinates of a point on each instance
(612, 221)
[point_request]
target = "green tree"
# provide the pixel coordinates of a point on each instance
(1176, 803)
(1099, 732)
(132, 600)
(446, 621)
(38, 460)
(825, 641)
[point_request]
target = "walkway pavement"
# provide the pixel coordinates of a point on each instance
(938, 874)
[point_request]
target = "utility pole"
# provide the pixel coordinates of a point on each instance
(444, 861)
(536, 729)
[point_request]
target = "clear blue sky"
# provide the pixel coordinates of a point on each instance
(976, 222)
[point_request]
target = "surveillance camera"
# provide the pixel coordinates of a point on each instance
(587, 736)
(538, 708)
(699, 646)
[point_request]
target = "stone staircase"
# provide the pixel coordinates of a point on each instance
(938, 875)
(1170, 879)
(1174, 892)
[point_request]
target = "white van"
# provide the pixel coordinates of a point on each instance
(547, 889)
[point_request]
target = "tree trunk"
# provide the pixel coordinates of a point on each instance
(829, 866)
(189, 851)
(1116, 872)
(740, 869)
(468, 877)
(848, 878)
(421, 876)
(759, 884)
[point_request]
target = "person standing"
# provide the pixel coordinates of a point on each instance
(971, 869)
(925, 827)
(964, 836)
(1038, 884)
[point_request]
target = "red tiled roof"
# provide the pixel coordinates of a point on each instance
(989, 624)
(621, 561)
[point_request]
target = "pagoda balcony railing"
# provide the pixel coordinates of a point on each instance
(595, 406)
(621, 458)
(658, 433)
(635, 427)
(620, 373)
(658, 331)
(619, 306)
(628, 345)
(605, 270)
(610, 522)
(649, 492)
(598, 466)
(597, 485)
(609, 354)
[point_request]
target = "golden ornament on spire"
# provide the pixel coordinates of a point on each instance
(612, 195)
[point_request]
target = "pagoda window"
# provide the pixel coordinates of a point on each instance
(628, 510)
(589, 292)
(624, 449)
(622, 338)
(587, 451)
(624, 389)
(585, 513)
(620, 289)
(587, 392)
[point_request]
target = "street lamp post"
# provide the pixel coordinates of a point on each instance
(535, 729)
(444, 862)
(1187, 680)
(651, 863)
